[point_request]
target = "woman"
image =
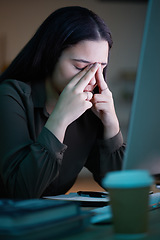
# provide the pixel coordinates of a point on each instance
(57, 113)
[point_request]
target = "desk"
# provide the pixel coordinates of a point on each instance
(100, 232)
(105, 231)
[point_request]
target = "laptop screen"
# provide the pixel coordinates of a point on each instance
(143, 140)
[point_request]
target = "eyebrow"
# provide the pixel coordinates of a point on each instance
(85, 61)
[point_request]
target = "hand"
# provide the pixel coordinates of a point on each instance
(72, 103)
(103, 107)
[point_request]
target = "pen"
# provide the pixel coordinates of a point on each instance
(92, 194)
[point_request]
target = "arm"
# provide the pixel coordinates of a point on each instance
(27, 165)
(103, 107)
(72, 102)
(107, 155)
(108, 152)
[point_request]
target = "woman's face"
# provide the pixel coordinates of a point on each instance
(74, 59)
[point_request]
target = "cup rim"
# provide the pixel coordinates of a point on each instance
(127, 179)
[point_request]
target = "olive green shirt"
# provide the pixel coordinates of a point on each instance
(33, 162)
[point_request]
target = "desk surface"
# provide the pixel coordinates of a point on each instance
(105, 231)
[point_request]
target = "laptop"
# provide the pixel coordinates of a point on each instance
(143, 140)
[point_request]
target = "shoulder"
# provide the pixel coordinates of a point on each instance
(13, 85)
(12, 91)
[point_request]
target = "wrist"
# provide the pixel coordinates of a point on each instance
(57, 126)
(111, 131)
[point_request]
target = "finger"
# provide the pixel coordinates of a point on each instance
(88, 105)
(81, 74)
(99, 99)
(102, 97)
(89, 96)
(102, 85)
(86, 96)
(100, 107)
(87, 77)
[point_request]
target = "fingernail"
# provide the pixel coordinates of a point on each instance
(95, 64)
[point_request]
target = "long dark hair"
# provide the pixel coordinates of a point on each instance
(63, 28)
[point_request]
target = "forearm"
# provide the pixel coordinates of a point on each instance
(35, 167)
(30, 155)
(112, 129)
(57, 126)
(107, 155)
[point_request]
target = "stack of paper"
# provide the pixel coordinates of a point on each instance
(84, 201)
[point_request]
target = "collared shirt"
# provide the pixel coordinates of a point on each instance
(33, 162)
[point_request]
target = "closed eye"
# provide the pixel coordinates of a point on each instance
(80, 69)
